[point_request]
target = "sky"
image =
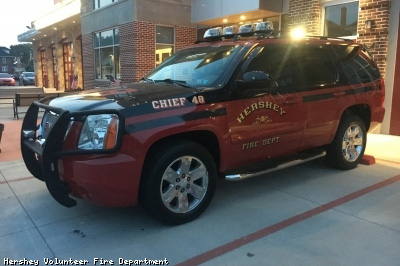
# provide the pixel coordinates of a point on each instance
(16, 15)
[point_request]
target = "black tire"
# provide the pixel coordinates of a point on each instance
(341, 151)
(177, 157)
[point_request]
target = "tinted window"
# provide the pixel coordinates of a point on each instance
(314, 66)
(273, 61)
(358, 66)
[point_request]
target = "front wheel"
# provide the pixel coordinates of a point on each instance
(348, 146)
(178, 182)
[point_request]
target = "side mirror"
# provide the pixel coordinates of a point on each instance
(254, 76)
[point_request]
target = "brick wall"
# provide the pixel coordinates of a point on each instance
(144, 47)
(184, 36)
(137, 51)
(376, 38)
(305, 13)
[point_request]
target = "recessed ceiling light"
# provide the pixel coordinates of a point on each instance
(55, 28)
(45, 35)
(225, 20)
(242, 17)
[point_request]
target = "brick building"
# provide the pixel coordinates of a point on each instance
(6, 61)
(126, 39)
(57, 46)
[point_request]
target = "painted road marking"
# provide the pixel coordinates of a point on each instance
(221, 250)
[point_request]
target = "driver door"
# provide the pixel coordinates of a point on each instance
(265, 117)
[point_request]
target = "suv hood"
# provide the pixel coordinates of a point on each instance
(127, 96)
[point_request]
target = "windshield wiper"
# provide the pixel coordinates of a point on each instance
(173, 81)
(148, 80)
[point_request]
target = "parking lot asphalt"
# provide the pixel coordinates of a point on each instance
(310, 214)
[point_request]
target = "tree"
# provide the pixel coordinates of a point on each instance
(25, 52)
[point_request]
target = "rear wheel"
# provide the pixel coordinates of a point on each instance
(348, 146)
(178, 182)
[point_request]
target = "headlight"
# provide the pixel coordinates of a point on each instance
(99, 132)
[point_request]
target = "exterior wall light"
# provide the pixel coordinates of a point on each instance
(368, 24)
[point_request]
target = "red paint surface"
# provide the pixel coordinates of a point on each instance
(221, 250)
(395, 115)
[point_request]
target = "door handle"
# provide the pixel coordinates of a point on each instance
(339, 93)
(290, 101)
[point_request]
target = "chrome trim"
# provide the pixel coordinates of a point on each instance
(238, 177)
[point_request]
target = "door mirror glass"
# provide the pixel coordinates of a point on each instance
(255, 76)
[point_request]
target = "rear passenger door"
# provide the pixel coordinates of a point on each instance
(320, 90)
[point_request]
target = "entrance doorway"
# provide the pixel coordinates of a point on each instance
(68, 66)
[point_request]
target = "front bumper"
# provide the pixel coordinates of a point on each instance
(41, 159)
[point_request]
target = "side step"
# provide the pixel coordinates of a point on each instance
(304, 159)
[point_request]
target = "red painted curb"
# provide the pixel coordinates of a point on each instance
(368, 160)
(221, 250)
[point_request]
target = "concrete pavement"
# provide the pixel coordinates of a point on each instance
(305, 215)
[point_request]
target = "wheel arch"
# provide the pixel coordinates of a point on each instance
(361, 110)
(206, 138)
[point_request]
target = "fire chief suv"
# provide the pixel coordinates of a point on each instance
(239, 105)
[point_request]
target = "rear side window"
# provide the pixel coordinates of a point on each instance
(313, 66)
(358, 65)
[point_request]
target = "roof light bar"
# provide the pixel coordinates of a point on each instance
(264, 28)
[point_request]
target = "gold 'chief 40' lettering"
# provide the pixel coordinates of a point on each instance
(258, 106)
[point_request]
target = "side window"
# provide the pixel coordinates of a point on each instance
(267, 71)
(358, 66)
(314, 67)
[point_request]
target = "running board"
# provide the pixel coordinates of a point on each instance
(238, 177)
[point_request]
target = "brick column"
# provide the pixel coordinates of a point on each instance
(305, 13)
(376, 39)
(88, 61)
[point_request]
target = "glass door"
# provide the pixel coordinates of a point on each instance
(43, 62)
(68, 66)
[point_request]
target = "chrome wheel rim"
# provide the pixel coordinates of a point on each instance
(353, 141)
(184, 184)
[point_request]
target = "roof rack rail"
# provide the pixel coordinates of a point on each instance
(326, 38)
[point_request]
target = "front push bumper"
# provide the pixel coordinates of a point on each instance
(41, 158)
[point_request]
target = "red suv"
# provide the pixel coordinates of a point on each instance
(232, 108)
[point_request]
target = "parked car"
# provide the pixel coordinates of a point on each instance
(234, 108)
(27, 78)
(6, 80)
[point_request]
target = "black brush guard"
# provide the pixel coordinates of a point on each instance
(42, 160)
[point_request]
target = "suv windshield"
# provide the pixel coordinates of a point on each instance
(195, 67)
(28, 74)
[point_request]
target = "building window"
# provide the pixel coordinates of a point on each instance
(102, 3)
(4, 60)
(341, 19)
(164, 43)
(4, 69)
(107, 54)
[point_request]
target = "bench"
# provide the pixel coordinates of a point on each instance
(26, 99)
(10, 93)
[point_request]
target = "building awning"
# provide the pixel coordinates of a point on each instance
(60, 12)
(218, 12)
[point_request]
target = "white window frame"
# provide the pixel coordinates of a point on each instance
(327, 3)
(4, 60)
(4, 69)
